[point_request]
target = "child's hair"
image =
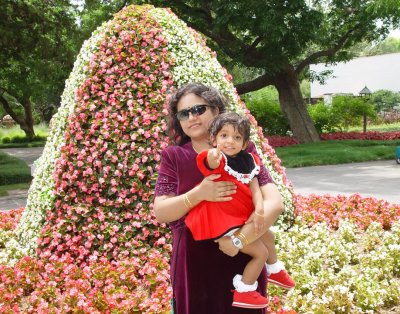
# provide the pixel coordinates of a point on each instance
(239, 123)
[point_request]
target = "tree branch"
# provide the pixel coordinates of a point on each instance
(225, 39)
(9, 110)
(325, 53)
(256, 84)
(256, 42)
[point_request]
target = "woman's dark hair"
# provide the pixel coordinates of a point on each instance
(239, 123)
(211, 96)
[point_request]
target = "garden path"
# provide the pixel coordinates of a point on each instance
(379, 179)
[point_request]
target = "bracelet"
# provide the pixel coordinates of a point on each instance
(243, 238)
(187, 202)
(259, 214)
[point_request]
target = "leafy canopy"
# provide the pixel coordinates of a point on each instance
(36, 48)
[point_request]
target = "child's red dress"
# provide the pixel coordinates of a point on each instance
(211, 220)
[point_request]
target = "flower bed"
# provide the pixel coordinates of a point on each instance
(343, 252)
(281, 141)
(370, 135)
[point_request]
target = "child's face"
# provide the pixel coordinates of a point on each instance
(230, 141)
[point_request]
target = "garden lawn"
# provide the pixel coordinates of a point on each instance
(13, 170)
(389, 127)
(18, 186)
(336, 152)
(40, 129)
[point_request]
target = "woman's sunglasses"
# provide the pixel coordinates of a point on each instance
(196, 110)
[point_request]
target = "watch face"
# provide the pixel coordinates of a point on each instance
(237, 243)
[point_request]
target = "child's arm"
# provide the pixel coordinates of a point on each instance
(258, 205)
(214, 157)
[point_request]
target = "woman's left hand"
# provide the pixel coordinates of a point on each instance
(227, 247)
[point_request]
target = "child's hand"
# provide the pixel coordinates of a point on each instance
(258, 220)
(214, 156)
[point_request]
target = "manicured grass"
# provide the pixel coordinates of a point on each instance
(336, 152)
(40, 129)
(392, 127)
(15, 137)
(18, 186)
(13, 170)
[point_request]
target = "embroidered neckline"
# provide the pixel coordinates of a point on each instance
(242, 177)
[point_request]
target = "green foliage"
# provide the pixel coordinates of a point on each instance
(37, 50)
(22, 139)
(325, 121)
(305, 88)
(264, 106)
(13, 170)
(385, 100)
(282, 38)
(350, 110)
(95, 12)
(389, 45)
(41, 130)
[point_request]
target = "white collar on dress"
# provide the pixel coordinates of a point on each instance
(242, 177)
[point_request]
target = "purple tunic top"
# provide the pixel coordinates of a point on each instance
(201, 274)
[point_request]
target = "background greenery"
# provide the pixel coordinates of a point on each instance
(40, 41)
(345, 112)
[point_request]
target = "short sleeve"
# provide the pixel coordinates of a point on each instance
(201, 161)
(264, 176)
(167, 181)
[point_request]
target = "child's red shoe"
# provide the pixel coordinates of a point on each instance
(282, 279)
(249, 300)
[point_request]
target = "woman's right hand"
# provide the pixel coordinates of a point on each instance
(212, 191)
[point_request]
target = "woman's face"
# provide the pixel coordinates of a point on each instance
(196, 126)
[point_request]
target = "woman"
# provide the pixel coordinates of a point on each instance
(201, 274)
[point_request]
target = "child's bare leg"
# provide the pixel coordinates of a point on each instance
(274, 266)
(259, 253)
(268, 238)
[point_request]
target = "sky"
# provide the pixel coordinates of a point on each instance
(395, 33)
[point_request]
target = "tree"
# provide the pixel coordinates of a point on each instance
(282, 38)
(351, 110)
(389, 45)
(37, 52)
(385, 100)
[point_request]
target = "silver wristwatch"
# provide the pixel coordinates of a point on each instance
(237, 242)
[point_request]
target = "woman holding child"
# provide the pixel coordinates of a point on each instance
(202, 271)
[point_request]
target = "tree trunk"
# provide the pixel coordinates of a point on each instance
(292, 105)
(26, 123)
(28, 126)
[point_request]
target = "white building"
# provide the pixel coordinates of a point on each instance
(376, 72)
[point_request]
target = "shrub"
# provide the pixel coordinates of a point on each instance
(267, 112)
(323, 118)
(350, 110)
(19, 139)
(385, 100)
(6, 140)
